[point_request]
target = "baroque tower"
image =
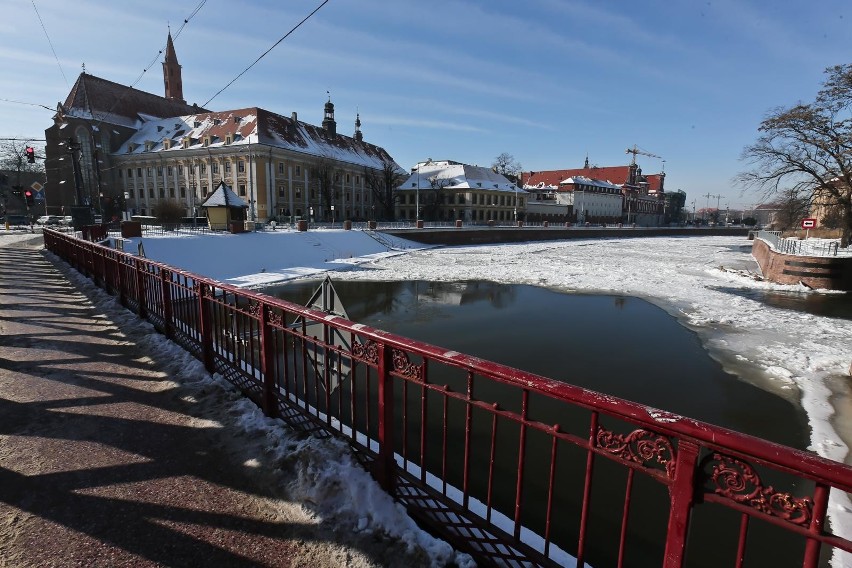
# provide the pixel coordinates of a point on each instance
(171, 73)
(328, 123)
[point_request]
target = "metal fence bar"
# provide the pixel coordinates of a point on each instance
(253, 341)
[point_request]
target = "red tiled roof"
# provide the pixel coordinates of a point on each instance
(104, 100)
(614, 174)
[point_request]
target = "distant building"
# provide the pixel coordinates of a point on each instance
(590, 193)
(138, 150)
(447, 191)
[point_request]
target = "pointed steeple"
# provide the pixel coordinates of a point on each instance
(171, 73)
(586, 165)
(358, 136)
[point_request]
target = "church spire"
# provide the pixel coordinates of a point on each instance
(586, 165)
(328, 122)
(358, 136)
(171, 73)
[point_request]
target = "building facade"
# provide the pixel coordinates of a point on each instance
(604, 194)
(124, 152)
(445, 190)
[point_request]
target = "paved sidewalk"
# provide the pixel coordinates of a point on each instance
(103, 462)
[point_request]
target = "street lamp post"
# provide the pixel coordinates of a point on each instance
(332, 215)
(311, 214)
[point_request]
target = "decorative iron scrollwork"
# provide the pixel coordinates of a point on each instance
(368, 352)
(254, 309)
(403, 366)
(274, 319)
(737, 480)
(639, 446)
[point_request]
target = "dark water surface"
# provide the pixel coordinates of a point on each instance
(617, 345)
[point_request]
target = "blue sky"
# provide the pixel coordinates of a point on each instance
(547, 81)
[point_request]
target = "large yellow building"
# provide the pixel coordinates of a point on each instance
(134, 152)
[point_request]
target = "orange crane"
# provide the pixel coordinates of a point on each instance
(636, 150)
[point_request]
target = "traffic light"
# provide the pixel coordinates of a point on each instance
(30, 152)
(28, 196)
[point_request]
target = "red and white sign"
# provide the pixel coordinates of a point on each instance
(809, 223)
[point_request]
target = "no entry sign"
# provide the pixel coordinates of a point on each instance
(809, 223)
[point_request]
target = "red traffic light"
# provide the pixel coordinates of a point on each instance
(30, 152)
(28, 197)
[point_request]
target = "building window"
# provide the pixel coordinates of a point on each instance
(206, 190)
(151, 192)
(160, 171)
(280, 167)
(347, 178)
(358, 180)
(227, 167)
(215, 167)
(149, 171)
(348, 196)
(241, 166)
(242, 190)
(130, 193)
(281, 191)
(138, 172)
(203, 168)
(298, 193)
(180, 170)
(162, 193)
(130, 172)
(169, 170)
(298, 170)
(120, 173)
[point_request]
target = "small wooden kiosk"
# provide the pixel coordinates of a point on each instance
(226, 211)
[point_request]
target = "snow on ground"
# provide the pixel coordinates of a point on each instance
(703, 281)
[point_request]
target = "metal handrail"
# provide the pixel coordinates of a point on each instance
(440, 430)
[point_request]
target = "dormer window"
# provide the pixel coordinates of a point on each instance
(206, 140)
(217, 121)
(237, 119)
(228, 138)
(167, 144)
(186, 141)
(131, 148)
(196, 124)
(149, 146)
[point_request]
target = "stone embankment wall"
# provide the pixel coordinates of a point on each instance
(496, 235)
(823, 272)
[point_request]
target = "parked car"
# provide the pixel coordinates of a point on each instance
(49, 220)
(16, 220)
(66, 220)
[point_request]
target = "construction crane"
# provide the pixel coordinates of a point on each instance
(635, 150)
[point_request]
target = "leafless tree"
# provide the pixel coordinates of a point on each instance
(382, 185)
(792, 208)
(505, 165)
(322, 175)
(13, 156)
(432, 198)
(805, 152)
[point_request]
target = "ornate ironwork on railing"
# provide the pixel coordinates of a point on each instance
(514, 468)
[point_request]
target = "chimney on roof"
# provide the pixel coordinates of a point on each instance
(294, 117)
(328, 123)
(171, 73)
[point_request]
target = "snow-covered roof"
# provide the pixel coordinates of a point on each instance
(224, 196)
(589, 181)
(251, 126)
(455, 175)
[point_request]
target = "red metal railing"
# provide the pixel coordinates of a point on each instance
(515, 468)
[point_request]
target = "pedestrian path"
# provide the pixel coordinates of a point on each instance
(103, 462)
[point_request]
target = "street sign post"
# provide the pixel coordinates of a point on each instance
(808, 224)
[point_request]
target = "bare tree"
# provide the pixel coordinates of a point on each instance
(382, 185)
(322, 175)
(792, 208)
(805, 152)
(13, 156)
(432, 198)
(505, 165)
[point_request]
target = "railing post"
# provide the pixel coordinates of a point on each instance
(119, 281)
(205, 325)
(682, 495)
(166, 295)
(267, 364)
(384, 464)
(140, 290)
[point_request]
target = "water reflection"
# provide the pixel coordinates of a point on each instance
(832, 305)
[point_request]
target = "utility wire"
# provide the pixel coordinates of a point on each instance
(50, 43)
(29, 104)
(266, 52)
(118, 100)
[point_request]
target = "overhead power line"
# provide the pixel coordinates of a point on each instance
(305, 19)
(51, 44)
(29, 104)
